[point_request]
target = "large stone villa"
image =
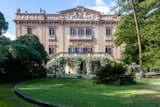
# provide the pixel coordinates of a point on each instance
(74, 32)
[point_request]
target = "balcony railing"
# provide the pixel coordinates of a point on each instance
(92, 55)
(84, 37)
(52, 17)
(52, 38)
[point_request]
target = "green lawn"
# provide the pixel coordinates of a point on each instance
(9, 99)
(85, 93)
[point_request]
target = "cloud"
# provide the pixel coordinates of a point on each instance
(9, 35)
(101, 6)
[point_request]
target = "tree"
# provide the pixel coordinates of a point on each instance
(151, 37)
(138, 37)
(4, 41)
(137, 9)
(128, 6)
(3, 24)
(21, 61)
(32, 40)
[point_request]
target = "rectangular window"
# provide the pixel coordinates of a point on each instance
(80, 31)
(72, 31)
(80, 50)
(51, 50)
(71, 50)
(51, 31)
(84, 50)
(89, 50)
(88, 31)
(108, 31)
(109, 50)
(29, 30)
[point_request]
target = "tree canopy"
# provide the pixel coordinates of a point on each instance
(3, 24)
(22, 59)
(149, 31)
(4, 41)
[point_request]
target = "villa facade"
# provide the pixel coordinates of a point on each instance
(74, 32)
(79, 31)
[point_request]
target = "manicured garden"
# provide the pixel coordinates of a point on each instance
(86, 93)
(9, 99)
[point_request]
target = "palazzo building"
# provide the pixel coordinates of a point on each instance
(74, 32)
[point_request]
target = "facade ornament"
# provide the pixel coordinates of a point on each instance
(41, 11)
(18, 10)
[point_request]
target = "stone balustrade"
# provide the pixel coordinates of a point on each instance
(52, 17)
(84, 37)
(26, 16)
(30, 17)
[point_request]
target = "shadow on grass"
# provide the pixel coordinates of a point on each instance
(84, 92)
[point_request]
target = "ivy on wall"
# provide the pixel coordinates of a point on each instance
(58, 65)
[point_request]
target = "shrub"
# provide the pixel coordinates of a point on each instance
(112, 73)
(19, 61)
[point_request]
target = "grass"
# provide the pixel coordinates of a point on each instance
(85, 93)
(9, 99)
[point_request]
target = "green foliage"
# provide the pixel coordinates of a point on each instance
(112, 73)
(150, 35)
(32, 40)
(20, 61)
(3, 24)
(4, 41)
(56, 65)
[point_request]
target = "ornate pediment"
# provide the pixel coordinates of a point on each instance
(80, 13)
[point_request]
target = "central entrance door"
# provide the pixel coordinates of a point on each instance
(83, 67)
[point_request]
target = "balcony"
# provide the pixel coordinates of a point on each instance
(84, 37)
(53, 38)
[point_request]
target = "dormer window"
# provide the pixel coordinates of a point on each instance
(51, 31)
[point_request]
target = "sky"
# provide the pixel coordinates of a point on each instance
(8, 8)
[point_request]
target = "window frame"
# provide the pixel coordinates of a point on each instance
(51, 50)
(109, 31)
(52, 31)
(88, 31)
(109, 50)
(72, 31)
(29, 30)
(80, 31)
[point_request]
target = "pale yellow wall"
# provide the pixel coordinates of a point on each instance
(42, 31)
(63, 34)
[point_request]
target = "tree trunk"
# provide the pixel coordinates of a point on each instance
(141, 73)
